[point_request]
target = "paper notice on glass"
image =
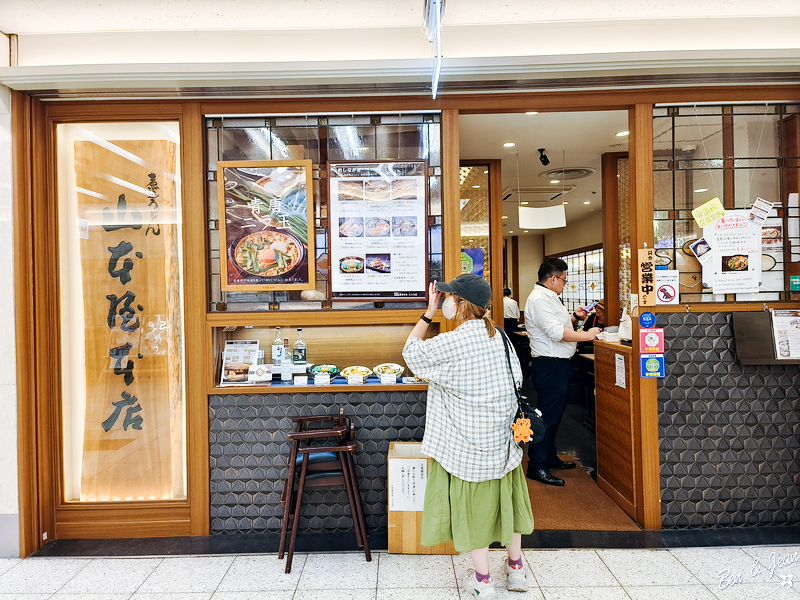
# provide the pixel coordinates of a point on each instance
(786, 332)
(407, 479)
(736, 247)
(667, 282)
(708, 212)
(760, 211)
(620, 370)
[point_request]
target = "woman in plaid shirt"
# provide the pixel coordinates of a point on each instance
(476, 492)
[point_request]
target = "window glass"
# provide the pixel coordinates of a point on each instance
(120, 257)
(736, 153)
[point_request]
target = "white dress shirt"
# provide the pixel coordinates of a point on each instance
(510, 308)
(546, 317)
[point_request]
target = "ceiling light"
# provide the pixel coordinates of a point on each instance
(532, 112)
(523, 202)
(565, 202)
(476, 186)
(526, 231)
(586, 202)
(555, 181)
(510, 232)
(509, 144)
(700, 190)
(486, 172)
(543, 157)
(623, 133)
(505, 216)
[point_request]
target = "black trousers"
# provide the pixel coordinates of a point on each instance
(510, 325)
(550, 377)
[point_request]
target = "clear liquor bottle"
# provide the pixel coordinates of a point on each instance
(277, 349)
(299, 350)
(286, 364)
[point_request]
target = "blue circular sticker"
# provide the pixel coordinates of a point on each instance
(647, 320)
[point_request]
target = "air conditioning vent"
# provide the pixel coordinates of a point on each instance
(568, 173)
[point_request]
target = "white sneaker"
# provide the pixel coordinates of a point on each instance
(479, 589)
(517, 579)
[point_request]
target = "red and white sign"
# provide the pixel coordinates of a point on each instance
(651, 341)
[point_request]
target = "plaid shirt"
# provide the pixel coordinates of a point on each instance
(471, 403)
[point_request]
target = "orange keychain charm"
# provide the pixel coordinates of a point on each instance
(522, 430)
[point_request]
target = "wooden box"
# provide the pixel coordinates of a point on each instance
(405, 526)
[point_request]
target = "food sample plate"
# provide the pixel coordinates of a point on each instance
(331, 370)
(389, 369)
(362, 371)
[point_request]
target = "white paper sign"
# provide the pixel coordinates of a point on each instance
(735, 243)
(83, 229)
(322, 379)
(666, 282)
(620, 370)
(301, 379)
(355, 379)
(760, 211)
(786, 332)
(407, 479)
(388, 378)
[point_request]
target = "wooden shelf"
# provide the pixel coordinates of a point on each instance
(318, 318)
(289, 388)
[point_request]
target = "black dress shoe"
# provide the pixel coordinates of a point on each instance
(544, 476)
(563, 465)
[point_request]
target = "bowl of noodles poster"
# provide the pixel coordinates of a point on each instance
(265, 230)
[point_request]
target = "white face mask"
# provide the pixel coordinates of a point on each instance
(449, 308)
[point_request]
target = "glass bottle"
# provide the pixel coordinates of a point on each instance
(299, 351)
(277, 349)
(286, 363)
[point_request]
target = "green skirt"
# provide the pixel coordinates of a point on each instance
(474, 515)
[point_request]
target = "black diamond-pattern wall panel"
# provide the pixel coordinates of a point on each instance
(728, 432)
(250, 454)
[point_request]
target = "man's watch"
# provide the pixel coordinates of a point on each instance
(426, 319)
(577, 318)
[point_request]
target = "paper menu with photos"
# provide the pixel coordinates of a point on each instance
(786, 332)
(736, 262)
(377, 214)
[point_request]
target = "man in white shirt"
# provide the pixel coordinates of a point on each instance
(553, 341)
(510, 312)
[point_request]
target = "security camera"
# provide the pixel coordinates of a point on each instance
(543, 157)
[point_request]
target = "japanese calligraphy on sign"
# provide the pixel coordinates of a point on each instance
(266, 225)
(708, 212)
(127, 268)
(647, 282)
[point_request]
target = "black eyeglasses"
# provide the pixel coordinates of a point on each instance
(561, 278)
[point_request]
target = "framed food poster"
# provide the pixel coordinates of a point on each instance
(266, 225)
(378, 215)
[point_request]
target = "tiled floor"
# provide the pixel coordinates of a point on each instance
(732, 573)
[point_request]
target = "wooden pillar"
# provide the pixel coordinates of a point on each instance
(645, 405)
(195, 307)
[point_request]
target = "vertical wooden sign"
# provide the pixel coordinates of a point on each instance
(647, 282)
(128, 274)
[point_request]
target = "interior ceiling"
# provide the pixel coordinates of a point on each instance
(63, 16)
(570, 140)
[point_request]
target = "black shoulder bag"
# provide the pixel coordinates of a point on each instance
(524, 410)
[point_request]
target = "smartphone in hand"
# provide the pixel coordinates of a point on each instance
(591, 306)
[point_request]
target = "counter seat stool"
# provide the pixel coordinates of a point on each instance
(321, 456)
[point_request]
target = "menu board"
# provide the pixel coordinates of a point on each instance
(377, 214)
(266, 212)
(786, 333)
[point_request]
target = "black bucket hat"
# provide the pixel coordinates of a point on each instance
(470, 287)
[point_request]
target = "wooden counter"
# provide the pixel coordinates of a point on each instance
(616, 464)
